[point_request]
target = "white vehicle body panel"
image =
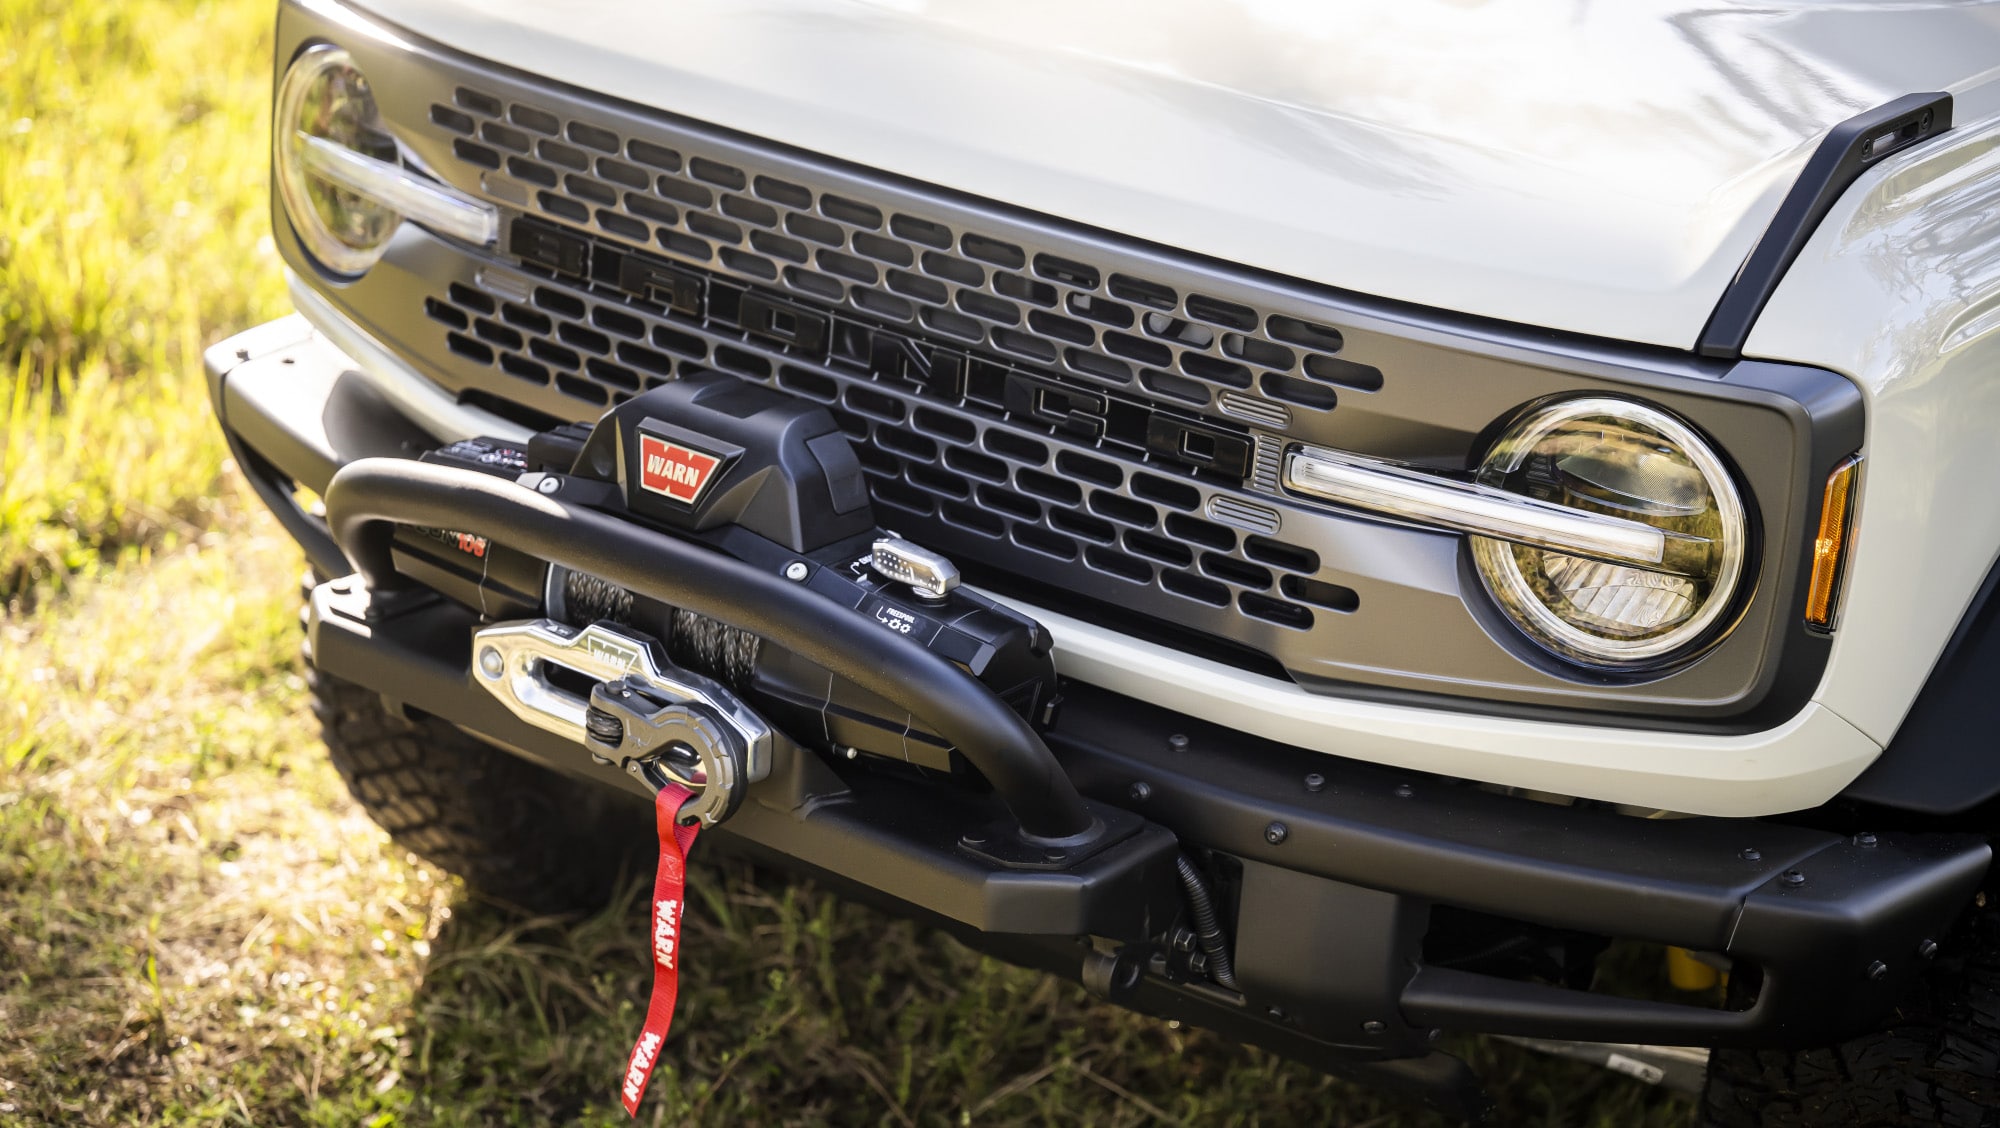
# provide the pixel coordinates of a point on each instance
(1602, 169)
(1900, 289)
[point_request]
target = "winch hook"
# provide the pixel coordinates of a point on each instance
(662, 740)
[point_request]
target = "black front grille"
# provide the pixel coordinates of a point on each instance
(962, 474)
(1096, 516)
(1037, 305)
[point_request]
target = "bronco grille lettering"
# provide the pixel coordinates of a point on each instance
(954, 374)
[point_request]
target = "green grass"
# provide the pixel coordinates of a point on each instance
(198, 926)
(133, 232)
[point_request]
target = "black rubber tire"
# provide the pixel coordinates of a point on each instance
(1939, 1064)
(517, 832)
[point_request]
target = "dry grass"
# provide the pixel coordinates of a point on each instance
(195, 920)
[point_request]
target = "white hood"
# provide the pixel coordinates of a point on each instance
(1599, 168)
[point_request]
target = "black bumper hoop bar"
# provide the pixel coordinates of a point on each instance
(369, 497)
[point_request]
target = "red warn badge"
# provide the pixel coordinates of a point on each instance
(674, 470)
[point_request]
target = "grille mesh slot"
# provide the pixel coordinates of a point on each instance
(962, 476)
(1190, 349)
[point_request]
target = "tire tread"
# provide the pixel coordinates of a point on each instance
(1938, 1064)
(515, 831)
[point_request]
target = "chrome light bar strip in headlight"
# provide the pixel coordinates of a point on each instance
(442, 209)
(1469, 507)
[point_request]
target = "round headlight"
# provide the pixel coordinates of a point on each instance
(1625, 460)
(324, 96)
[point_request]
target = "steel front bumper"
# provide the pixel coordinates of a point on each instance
(1341, 863)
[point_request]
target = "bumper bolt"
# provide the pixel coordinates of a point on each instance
(1374, 1027)
(796, 571)
(1276, 834)
(1927, 950)
(1315, 782)
(490, 662)
(1178, 742)
(1141, 791)
(1866, 840)
(1793, 878)
(1878, 970)
(548, 485)
(1752, 854)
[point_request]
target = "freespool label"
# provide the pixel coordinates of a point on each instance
(1072, 408)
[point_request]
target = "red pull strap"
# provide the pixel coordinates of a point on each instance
(669, 900)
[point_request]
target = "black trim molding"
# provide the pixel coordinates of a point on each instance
(1849, 150)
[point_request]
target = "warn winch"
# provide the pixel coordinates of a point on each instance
(694, 591)
(741, 472)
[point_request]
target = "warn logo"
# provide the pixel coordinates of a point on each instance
(675, 471)
(640, 1068)
(666, 931)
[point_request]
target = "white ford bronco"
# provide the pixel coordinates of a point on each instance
(1317, 521)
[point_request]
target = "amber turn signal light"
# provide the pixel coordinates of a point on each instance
(1836, 512)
